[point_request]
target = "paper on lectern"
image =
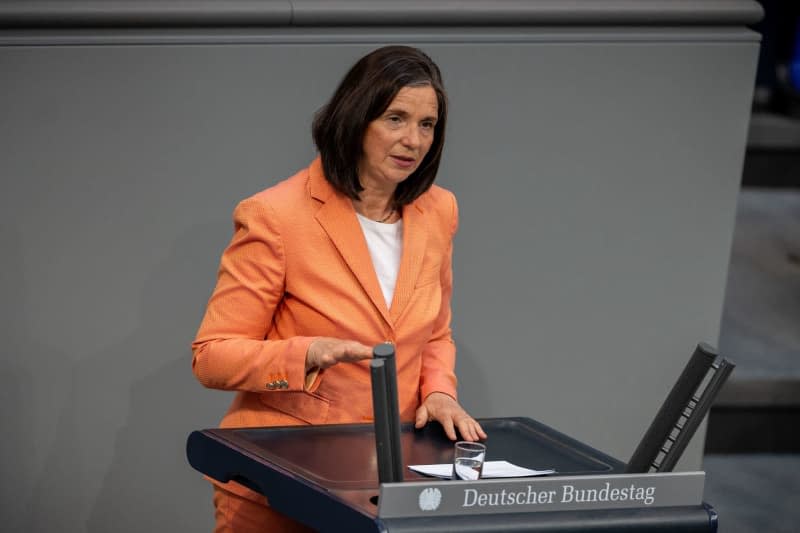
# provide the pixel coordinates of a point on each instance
(491, 469)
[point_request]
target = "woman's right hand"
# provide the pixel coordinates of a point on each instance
(327, 351)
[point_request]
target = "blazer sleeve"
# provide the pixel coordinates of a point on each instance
(230, 351)
(439, 353)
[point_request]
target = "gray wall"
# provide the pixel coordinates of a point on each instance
(596, 167)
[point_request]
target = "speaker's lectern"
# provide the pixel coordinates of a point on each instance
(327, 477)
(353, 477)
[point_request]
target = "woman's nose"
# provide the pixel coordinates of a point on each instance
(411, 137)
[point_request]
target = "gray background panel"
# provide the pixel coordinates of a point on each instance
(597, 181)
(249, 13)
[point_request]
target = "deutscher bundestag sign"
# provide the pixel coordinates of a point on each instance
(521, 495)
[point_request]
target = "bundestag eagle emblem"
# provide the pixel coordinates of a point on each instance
(429, 499)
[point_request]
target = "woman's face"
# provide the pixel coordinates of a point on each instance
(396, 142)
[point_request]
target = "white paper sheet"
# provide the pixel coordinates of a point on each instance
(491, 469)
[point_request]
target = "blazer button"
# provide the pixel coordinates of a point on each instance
(271, 385)
(283, 384)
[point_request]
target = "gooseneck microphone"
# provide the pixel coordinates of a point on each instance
(383, 370)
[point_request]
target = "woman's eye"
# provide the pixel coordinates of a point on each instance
(394, 119)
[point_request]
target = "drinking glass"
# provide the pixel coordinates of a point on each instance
(468, 460)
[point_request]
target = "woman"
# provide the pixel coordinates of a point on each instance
(353, 251)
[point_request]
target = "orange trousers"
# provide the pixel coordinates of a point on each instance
(235, 514)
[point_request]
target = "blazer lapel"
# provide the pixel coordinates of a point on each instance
(415, 238)
(338, 218)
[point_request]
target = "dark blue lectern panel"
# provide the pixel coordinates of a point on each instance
(326, 476)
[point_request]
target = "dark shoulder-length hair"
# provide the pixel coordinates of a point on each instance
(362, 96)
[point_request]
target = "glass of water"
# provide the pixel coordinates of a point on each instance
(468, 460)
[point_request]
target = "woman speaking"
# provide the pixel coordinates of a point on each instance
(353, 251)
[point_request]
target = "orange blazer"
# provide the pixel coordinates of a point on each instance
(298, 267)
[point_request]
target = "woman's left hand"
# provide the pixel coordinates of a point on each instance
(445, 410)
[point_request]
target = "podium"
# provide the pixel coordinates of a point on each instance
(327, 477)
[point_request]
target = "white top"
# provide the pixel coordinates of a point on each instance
(385, 243)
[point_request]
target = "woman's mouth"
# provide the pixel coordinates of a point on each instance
(403, 161)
